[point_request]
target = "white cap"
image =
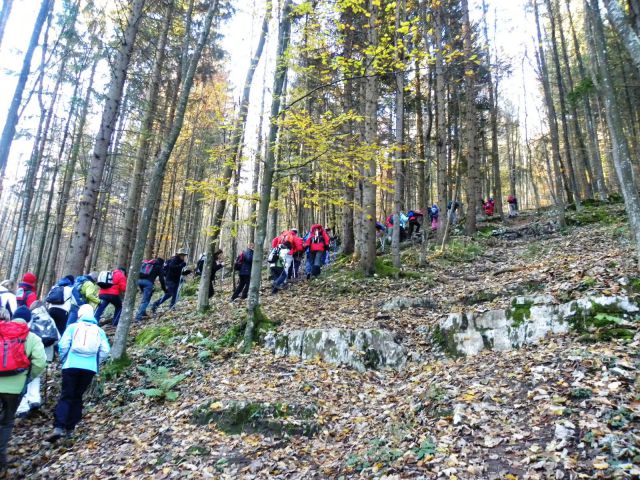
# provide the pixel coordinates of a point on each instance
(85, 311)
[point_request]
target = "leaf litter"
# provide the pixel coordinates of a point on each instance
(559, 409)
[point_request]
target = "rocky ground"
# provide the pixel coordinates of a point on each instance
(560, 409)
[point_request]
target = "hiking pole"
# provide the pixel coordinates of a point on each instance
(46, 382)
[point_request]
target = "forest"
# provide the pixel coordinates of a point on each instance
(133, 132)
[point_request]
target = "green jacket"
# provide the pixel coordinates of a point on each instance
(89, 291)
(35, 351)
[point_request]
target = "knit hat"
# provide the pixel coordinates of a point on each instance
(23, 313)
(71, 278)
(29, 278)
(85, 311)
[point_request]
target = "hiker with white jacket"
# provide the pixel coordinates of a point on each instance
(44, 327)
(83, 347)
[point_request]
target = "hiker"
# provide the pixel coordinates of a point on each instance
(334, 241)
(453, 213)
(22, 358)
(41, 324)
(173, 272)
(83, 347)
(415, 218)
(60, 298)
(513, 205)
(318, 242)
(84, 291)
(434, 214)
(7, 296)
(389, 223)
(149, 271)
(287, 248)
(218, 264)
(111, 288)
(380, 234)
(298, 253)
(26, 292)
(243, 266)
(200, 265)
(488, 206)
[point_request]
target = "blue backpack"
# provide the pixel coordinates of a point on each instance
(77, 297)
(56, 295)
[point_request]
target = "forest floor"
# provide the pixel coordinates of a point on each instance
(559, 409)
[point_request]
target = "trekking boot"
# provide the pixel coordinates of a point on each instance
(154, 309)
(56, 435)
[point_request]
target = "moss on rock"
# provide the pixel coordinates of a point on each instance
(519, 312)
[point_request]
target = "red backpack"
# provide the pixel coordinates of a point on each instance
(13, 357)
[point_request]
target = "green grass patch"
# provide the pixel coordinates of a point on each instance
(462, 251)
(163, 333)
(115, 368)
(189, 289)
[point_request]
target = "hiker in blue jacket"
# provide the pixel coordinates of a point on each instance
(149, 271)
(83, 347)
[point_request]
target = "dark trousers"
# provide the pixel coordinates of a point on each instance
(8, 405)
(242, 288)
(105, 300)
(316, 263)
(60, 317)
(68, 412)
(171, 293)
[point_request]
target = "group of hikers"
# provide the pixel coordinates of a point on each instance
(316, 247)
(29, 331)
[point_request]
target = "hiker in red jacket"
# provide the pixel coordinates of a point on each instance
(112, 295)
(26, 292)
(318, 243)
(290, 246)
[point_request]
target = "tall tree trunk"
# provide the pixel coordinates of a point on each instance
(4, 17)
(592, 132)
(236, 152)
(398, 175)
(584, 173)
(371, 93)
(553, 125)
(144, 144)
(470, 123)
(42, 260)
(33, 167)
(81, 233)
(9, 130)
(629, 37)
(68, 178)
(157, 176)
(441, 119)
(493, 120)
(620, 148)
(280, 74)
(563, 109)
